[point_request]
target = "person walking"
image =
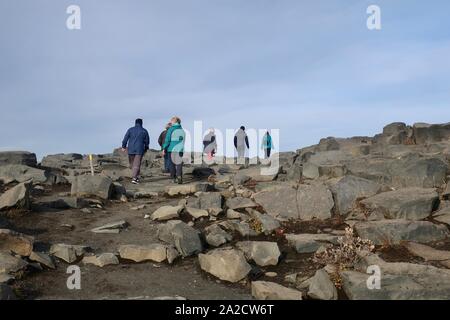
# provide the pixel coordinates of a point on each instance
(138, 141)
(210, 144)
(241, 142)
(267, 144)
(173, 146)
(161, 139)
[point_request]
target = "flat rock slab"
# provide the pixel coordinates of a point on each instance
(68, 253)
(408, 203)
(186, 189)
(240, 203)
(215, 236)
(306, 202)
(309, 243)
(18, 157)
(183, 237)
(138, 253)
(16, 242)
(321, 287)
(167, 213)
(113, 227)
(395, 231)
(426, 252)
(101, 260)
(21, 173)
(43, 259)
(225, 264)
(265, 290)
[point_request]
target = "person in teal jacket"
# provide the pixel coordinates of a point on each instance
(267, 144)
(173, 146)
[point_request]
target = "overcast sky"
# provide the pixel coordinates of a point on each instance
(309, 68)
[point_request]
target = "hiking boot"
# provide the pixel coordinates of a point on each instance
(135, 181)
(174, 180)
(180, 180)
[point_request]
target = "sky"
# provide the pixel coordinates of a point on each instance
(311, 69)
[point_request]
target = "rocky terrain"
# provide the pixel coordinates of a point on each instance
(313, 230)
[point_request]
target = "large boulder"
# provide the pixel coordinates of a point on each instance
(427, 133)
(264, 290)
(166, 213)
(215, 236)
(349, 189)
(17, 197)
(263, 253)
(97, 186)
(408, 203)
(279, 201)
(396, 231)
(18, 157)
(183, 237)
(61, 160)
(16, 242)
(240, 203)
(21, 173)
(225, 264)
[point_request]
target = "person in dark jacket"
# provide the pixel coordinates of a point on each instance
(174, 146)
(241, 141)
(210, 144)
(161, 139)
(138, 141)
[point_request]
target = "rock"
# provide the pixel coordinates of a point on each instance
(186, 189)
(426, 133)
(203, 172)
(167, 213)
(61, 160)
(243, 228)
(16, 242)
(10, 264)
(306, 203)
(309, 243)
(279, 201)
(6, 293)
(240, 203)
(263, 253)
(225, 264)
(21, 173)
(197, 213)
(264, 290)
(408, 203)
(427, 253)
(43, 259)
(183, 237)
(350, 188)
(101, 260)
(18, 157)
(172, 254)
(321, 287)
(97, 186)
(268, 223)
(211, 201)
(61, 202)
(68, 253)
(138, 253)
(426, 286)
(254, 173)
(113, 227)
(216, 236)
(395, 231)
(233, 214)
(271, 274)
(16, 197)
(443, 215)
(312, 170)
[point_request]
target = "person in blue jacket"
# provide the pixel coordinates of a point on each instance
(267, 144)
(173, 146)
(138, 142)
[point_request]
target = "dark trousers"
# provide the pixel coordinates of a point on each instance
(166, 162)
(135, 164)
(267, 152)
(175, 164)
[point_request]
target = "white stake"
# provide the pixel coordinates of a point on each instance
(92, 165)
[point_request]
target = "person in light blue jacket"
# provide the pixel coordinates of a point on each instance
(174, 147)
(138, 141)
(267, 144)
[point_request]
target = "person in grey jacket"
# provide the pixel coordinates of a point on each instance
(138, 141)
(241, 141)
